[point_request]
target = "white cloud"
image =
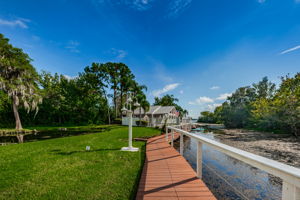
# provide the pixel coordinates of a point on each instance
(140, 5)
(211, 107)
(261, 1)
(160, 73)
(191, 103)
(173, 10)
(291, 49)
(119, 53)
(223, 96)
(167, 88)
(214, 88)
(201, 100)
(176, 7)
(20, 22)
(207, 100)
(73, 46)
(69, 77)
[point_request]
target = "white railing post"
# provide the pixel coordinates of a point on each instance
(166, 133)
(290, 192)
(181, 143)
(172, 137)
(199, 159)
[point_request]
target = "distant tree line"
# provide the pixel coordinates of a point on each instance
(56, 99)
(261, 106)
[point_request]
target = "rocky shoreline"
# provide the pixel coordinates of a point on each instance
(279, 147)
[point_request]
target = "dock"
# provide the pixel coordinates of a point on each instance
(168, 176)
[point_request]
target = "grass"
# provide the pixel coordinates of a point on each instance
(62, 169)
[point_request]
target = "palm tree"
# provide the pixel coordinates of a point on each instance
(126, 79)
(135, 88)
(18, 79)
(141, 98)
(113, 71)
(138, 93)
(185, 113)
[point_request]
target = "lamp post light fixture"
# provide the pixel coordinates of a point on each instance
(129, 113)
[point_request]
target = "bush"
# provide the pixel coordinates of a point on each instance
(141, 123)
(117, 121)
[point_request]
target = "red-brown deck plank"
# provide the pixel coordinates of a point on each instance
(167, 175)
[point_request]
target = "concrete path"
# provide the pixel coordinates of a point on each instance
(168, 176)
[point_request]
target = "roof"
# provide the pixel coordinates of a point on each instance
(164, 109)
(155, 110)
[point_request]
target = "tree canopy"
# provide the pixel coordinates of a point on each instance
(170, 100)
(18, 79)
(95, 96)
(261, 106)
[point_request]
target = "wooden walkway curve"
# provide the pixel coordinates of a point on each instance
(168, 176)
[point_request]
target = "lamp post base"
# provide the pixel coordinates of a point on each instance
(132, 149)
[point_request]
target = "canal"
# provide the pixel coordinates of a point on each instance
(229, 178)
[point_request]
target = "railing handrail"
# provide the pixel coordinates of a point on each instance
(286, 172)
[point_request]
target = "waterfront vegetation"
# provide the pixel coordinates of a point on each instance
(262, 106)
(62, 115)
(62, 169)
(54, 99)
(95, 96)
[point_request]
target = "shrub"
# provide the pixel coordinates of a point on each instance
(117, 121)
(141, 123)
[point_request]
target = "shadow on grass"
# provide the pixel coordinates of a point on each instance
(59, 152)
(134, 190)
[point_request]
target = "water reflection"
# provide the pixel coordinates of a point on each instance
(229, 178)
(43, 135)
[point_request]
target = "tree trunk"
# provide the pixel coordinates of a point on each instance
(140, 116)
(115, 102)
(108, 109)
(20, 138)
(121, 106)
(108, 114)
(295, 131)
(16, 114)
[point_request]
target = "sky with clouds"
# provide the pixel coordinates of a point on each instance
(198, 50)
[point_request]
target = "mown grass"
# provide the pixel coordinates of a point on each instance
(62, 169)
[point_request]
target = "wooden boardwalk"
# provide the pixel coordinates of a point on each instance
(168, 176)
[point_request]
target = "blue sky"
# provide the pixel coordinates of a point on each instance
(198, 50)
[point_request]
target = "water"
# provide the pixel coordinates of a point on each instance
(43, 135)
(229, 178)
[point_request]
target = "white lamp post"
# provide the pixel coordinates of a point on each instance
(129, 114)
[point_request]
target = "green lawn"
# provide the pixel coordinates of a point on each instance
(62, 169)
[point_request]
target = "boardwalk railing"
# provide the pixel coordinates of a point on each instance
(289, 175)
